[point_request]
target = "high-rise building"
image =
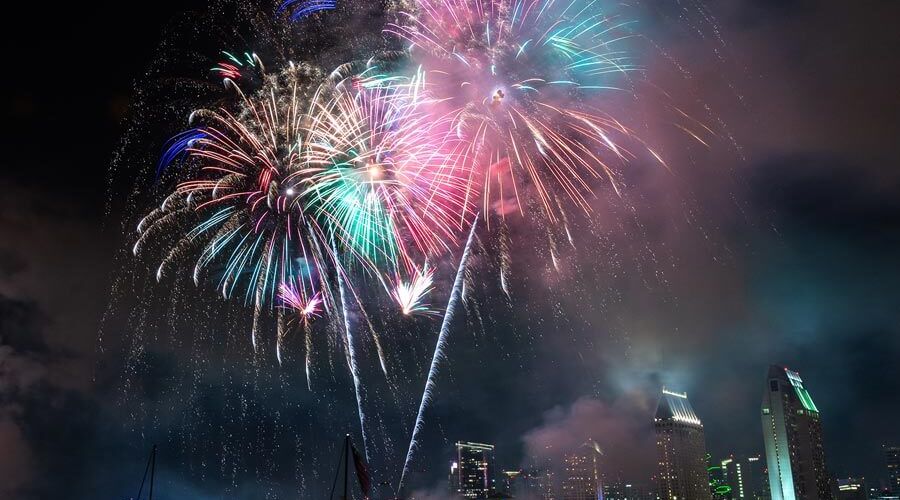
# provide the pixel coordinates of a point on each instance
(539, 484)
(511, 481)
(681, 450)
(582, 479)
(756, 478)
(792, 430)
(892, 458)
(471, 473)
(533, 484)
(733, 476)
(744, 476)
(852, 489)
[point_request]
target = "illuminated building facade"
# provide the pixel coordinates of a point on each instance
(471, 474)
(511, 480)
(533, 484)
(582, 479)
(852, 489)
(755, 478)
(744, 476)
(621, 490)
(892, 458)
(719, 489)
(681, 450)
(733, 476)
(792, 430)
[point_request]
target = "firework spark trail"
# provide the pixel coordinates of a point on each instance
(505, 259)
(307, 346)
(306, 309)
(438, 352)
(177, 146)
(376, 339)
(410, 295)
(354, 368)
(230, 70)
(298, 9)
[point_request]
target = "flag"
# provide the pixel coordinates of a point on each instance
(362, 472)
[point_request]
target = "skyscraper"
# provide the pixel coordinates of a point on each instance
(582, 478)
(792, 430)
(892, 457)
(681, 449)
(471, 474)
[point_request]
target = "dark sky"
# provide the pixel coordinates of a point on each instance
(778, 244)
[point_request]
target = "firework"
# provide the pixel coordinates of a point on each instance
(307, 177)
(388, 183)
(410, 295)
(331, 204)
(385, 185)
(240, 209)
(294, 297)
(526, 81)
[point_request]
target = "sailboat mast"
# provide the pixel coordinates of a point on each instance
(346, 466)
(152, 471)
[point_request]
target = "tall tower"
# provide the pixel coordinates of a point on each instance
(471, 474)
(582, 480)
(681, 449)
(792, 430)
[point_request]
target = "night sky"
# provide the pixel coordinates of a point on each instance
(777, 244)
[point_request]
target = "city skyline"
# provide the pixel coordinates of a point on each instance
(585, 472)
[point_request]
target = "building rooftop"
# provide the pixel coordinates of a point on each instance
(675, 406)
(786, 374)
